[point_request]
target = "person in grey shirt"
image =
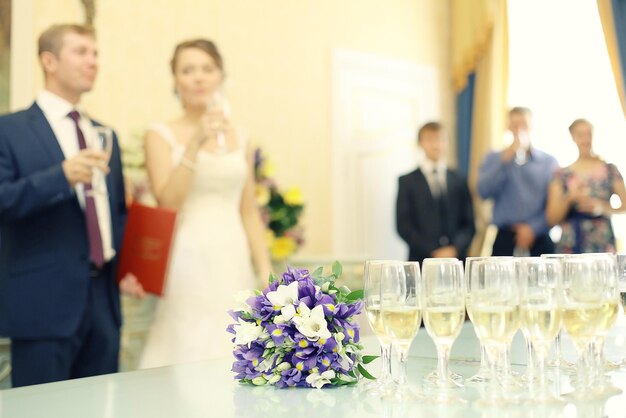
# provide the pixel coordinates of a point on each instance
(517, 180)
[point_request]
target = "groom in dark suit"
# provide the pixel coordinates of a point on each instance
(59, 302)
(434, 214)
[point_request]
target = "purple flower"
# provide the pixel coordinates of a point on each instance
(291, 378)
(246, 359)
(277, 333)
(262, 309)
(293, 274)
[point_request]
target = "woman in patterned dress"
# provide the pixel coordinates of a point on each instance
(579, 198)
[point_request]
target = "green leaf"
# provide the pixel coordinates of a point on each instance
(273, 277)
(337, 269)
(365, 373)
(317, 273)
(352, 374)
(355, 295)
(369, 359)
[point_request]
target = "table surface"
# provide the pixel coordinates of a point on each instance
(207, 389)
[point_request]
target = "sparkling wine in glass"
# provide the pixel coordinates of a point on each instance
(494, 300)
(218, 101)
(402, 315)
(372, 300)
(483, 374)
(582, 292)
(102, 140)
(606, 268)
(443, 296)
(539, 281)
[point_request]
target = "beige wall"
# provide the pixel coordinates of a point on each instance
(277, 55)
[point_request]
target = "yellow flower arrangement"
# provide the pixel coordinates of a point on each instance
(280, 210)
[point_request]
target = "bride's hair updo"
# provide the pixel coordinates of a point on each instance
(202, 44)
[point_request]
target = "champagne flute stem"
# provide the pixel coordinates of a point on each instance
(484, 364)
(582, 368)
(542, 382)
(443, 364)
(558, 354)
(493, 387)
(403, 357)
(385, 354)
(507, 372)
(531, 357)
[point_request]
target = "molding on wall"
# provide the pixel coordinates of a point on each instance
(23, 50)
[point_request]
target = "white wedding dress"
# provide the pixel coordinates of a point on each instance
(209, 263)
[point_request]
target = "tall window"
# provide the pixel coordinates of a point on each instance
(559, 67)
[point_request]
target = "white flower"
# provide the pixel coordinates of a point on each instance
(318, 380)
(283, 366)
(241, 298)
(275, 378)
(259, 381)
(284, 295)
(311, 323)
(286, 313)
(246, 332)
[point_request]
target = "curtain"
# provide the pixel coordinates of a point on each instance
(613, 16)
(464, 113)
(480, 59)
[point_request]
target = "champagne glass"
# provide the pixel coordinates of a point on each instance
(482, 376)
(530, 375)
(540, 311)
(582, 294)
(402, 314)
(443, 293)
(559, 362)
(218, 101)
(372, 301)
(606, 269)
(493, 297)
(101, 140)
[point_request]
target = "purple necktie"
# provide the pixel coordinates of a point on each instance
(93, 228)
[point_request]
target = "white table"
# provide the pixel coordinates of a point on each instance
(207, 390)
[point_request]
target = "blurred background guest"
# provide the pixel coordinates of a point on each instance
(517, 179)
(434, 214)
(200, 166)
(579, 198)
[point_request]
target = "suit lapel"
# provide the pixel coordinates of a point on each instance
(44, 134)
(450, 190)
(423, 184)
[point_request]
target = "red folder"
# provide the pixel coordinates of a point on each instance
(146, 246)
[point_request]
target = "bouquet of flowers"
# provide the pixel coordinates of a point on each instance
(300, 331)
(280, 210)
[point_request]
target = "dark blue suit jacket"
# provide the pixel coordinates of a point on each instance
(44, 251)
(418, 218)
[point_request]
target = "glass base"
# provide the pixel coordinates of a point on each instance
(432, 378)
(384, 387)
(483, 376)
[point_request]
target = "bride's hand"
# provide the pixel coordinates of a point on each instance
(130, 286)
(213, 122)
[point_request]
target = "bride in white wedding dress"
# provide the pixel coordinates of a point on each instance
(199, 166)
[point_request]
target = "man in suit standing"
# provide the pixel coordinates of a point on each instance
(434, 213)
(59, 302)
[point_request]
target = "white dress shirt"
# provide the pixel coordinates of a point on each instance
(56, 110)
(436, 182)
